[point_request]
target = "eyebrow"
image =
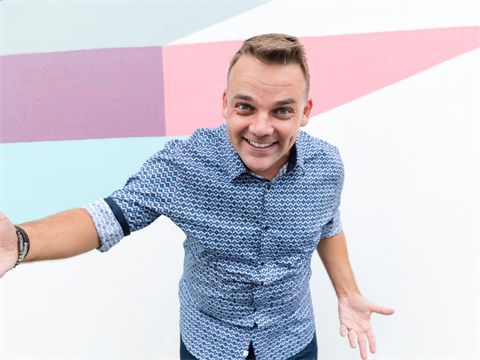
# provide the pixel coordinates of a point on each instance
(285, 102)
(243, 97)
(250, 99)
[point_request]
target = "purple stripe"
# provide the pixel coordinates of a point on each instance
(88, 94)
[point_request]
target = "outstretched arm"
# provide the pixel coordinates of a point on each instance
(354, 310)
(59, 236)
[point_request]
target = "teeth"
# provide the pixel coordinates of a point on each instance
(259, 145)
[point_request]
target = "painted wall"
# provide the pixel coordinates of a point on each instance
(89, 90)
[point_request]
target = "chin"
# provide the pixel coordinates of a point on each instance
(258, 167)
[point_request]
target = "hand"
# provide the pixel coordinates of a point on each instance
(355, 311)
(8, 245)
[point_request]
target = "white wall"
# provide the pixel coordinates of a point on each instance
(409, 208)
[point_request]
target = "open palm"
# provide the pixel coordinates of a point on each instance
(355, 312)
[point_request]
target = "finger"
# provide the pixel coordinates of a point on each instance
(362, 343)
(343, 330)
(372, 341)
(381, 310)
(351, 338)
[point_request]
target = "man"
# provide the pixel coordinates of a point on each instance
(255, 198)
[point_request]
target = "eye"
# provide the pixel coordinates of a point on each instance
(243, 107)
(283, 112)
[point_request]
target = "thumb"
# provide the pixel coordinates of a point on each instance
(381, 310)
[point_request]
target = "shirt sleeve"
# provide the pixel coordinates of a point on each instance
(334, 226)
(147, 194)
(150, 192)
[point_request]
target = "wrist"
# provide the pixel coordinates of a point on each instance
(352, 291)
(348, 294)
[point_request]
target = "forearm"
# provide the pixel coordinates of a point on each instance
(334, 255)
(61, 236)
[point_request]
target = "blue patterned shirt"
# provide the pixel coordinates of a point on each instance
(249, 241)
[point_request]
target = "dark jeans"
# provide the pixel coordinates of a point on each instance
(309, 353)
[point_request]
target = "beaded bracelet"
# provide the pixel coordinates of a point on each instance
(23, 244)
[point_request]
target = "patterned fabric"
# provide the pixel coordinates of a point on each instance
(249, 240)
(108, 228)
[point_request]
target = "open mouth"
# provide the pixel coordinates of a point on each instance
(260, 145)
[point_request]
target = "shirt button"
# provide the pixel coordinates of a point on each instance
(269, 186)
(266, 228)
(254, 309)
(262, 263)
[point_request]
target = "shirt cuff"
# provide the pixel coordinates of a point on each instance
(109, 230)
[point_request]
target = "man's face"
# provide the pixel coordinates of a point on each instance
(265, 107)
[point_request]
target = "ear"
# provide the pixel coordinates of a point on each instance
(224, 99)
(306, 112)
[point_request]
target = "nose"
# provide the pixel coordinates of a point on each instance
(261, 125)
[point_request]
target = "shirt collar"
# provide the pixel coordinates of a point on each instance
(235, 166)
(297, 155)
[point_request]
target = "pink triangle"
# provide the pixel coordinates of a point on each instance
(343, 68)
(346, 67)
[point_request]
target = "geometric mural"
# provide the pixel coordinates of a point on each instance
(173, 90)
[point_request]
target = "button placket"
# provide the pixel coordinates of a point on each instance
(264, 227)
(261, 254)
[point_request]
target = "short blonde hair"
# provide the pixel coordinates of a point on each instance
(278, 49)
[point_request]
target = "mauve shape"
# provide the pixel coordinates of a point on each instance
(88, 94)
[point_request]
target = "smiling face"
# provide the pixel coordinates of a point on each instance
(265, 106)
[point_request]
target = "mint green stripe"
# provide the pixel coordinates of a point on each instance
(50, 26)
(42, 178)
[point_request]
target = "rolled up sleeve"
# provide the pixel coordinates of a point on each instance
(108, 228)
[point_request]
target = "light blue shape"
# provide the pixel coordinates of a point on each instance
(39, 179)
(50, 26)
